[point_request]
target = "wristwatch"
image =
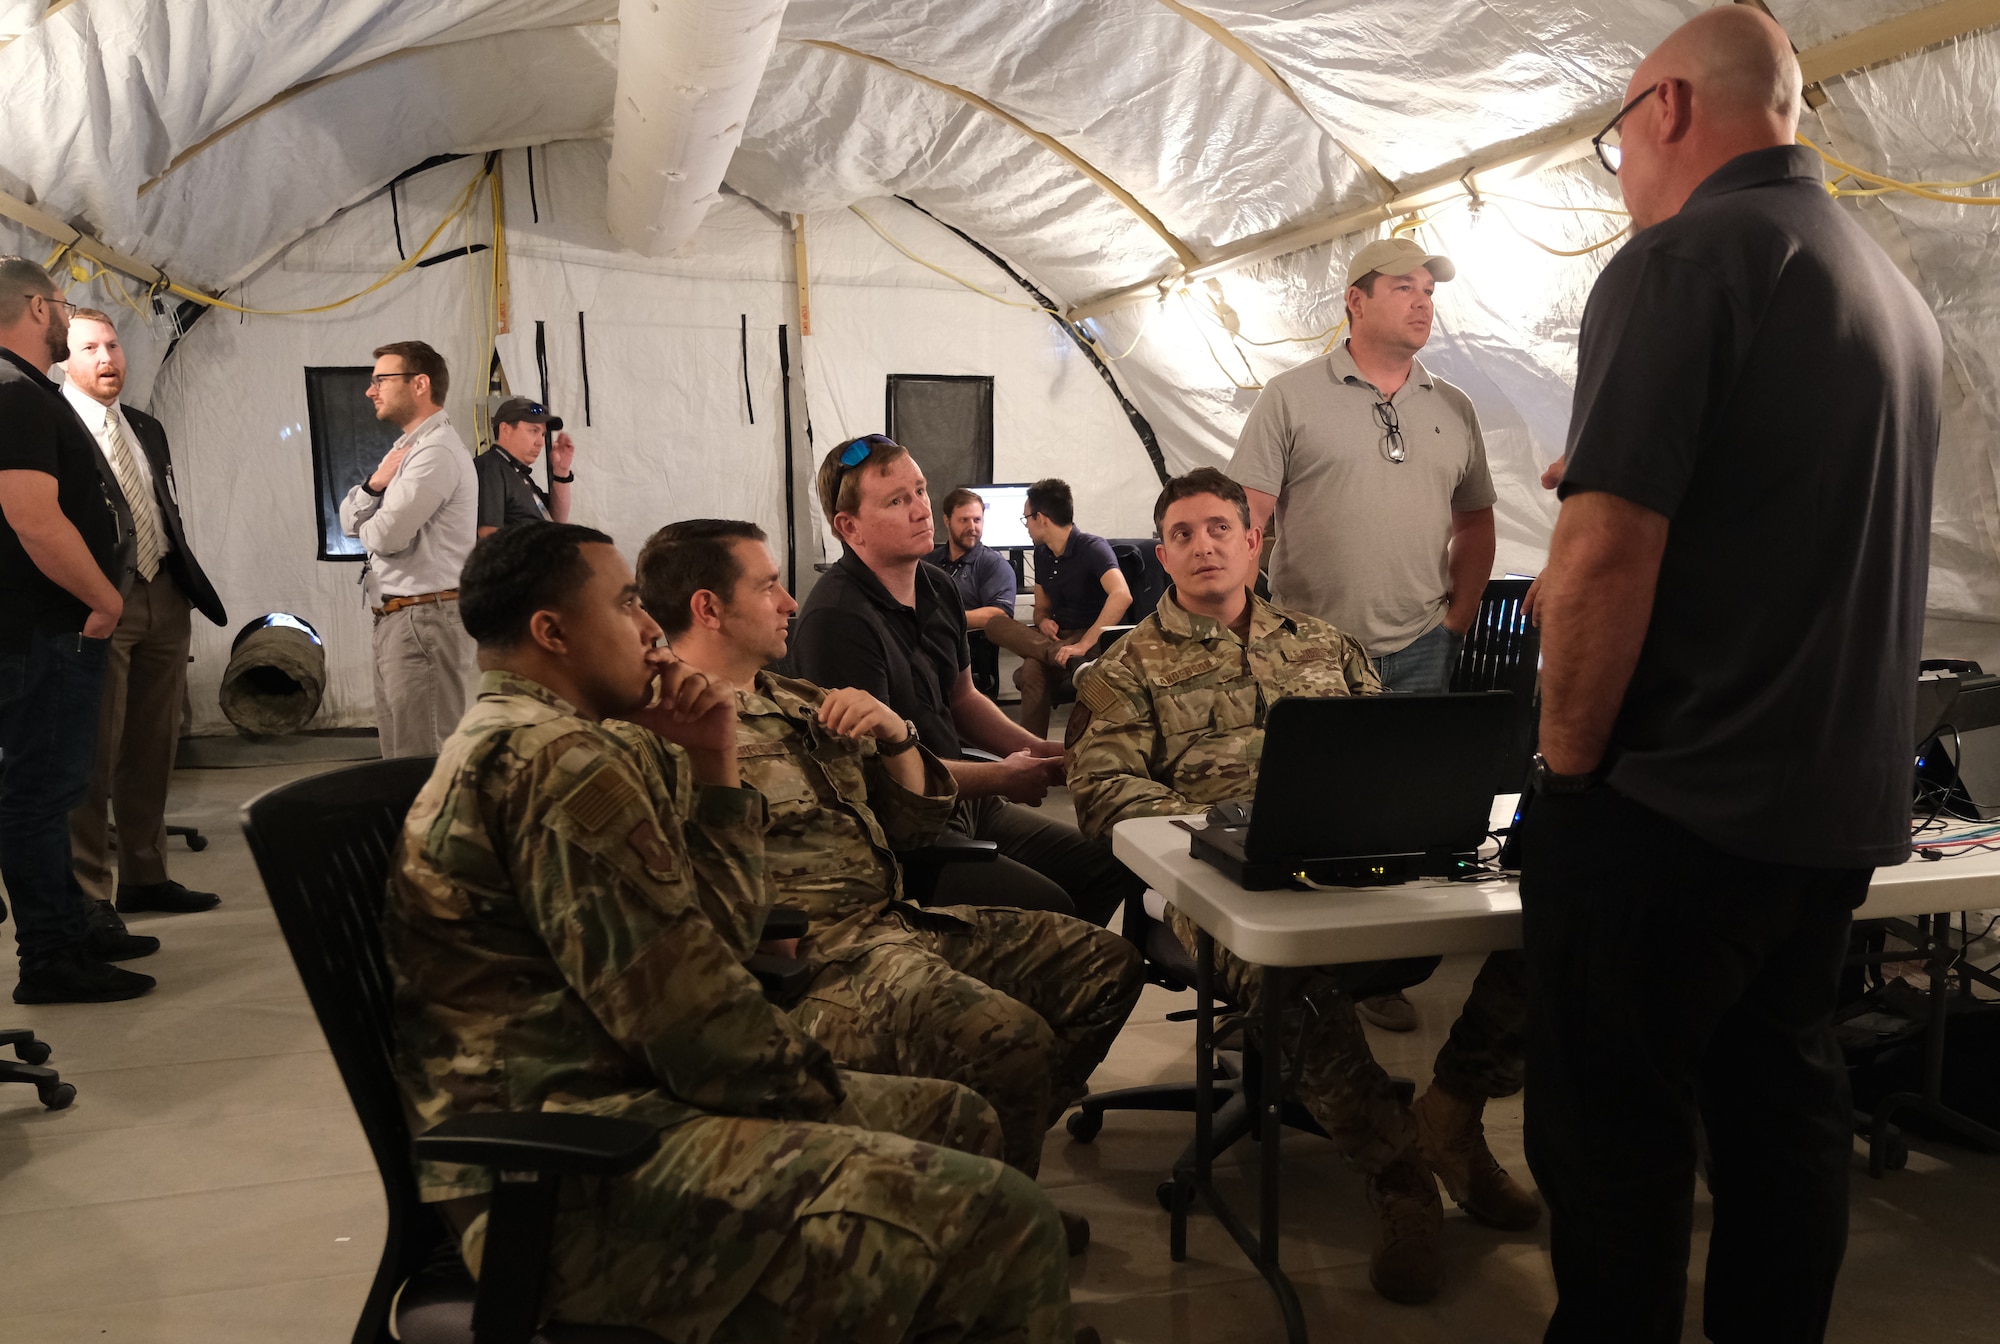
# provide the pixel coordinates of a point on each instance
(562, 480)
(898, 748)
(1552, 785)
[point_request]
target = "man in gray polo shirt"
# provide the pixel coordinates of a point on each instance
(1377, 473)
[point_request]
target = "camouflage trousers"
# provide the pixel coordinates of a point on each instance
(1330, 1069)
(1018, 1005)
(745, 1231)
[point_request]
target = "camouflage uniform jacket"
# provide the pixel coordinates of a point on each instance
(567, 919)
(1177, 708)
(837, 818)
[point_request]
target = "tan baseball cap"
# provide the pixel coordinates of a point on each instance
(1398, 256)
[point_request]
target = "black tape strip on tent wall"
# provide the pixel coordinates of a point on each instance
(541, 368)
(583, 362)
(791, 490)
(743, 334)
(1140, 425)
(534, 210)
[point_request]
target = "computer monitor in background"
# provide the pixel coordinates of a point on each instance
(1004, 528)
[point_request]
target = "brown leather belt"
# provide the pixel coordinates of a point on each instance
(396, 604)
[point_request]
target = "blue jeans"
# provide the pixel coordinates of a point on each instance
(1423, 666)
(50, 688)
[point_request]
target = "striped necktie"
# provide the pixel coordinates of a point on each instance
(145, 515)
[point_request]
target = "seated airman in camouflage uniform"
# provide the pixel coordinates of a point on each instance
(1019, 1005)
(1170, 721)
(567, 921)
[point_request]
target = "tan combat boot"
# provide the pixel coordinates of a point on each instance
(1408, 1266)
(1452, 1138)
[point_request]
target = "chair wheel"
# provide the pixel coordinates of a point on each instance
(197, 843)
(1083, 1125)
(33, 1052)
(57, 1096)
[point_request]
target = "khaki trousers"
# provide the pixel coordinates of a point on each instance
(1038, 676)
(423, 665)
(138, 730)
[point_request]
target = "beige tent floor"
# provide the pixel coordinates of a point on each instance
(210, 1184)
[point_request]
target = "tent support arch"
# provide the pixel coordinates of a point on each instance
(1181, 250)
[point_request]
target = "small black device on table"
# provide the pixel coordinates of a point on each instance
(1366, 791)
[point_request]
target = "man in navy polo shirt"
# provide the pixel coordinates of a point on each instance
(1079, 590)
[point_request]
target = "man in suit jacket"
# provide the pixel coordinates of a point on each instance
(145, 680)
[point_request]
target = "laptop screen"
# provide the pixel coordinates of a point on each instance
(1379, 774)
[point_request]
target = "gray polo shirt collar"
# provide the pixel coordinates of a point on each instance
(1340, 363)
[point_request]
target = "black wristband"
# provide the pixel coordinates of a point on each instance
(369, 489)
(562, 480)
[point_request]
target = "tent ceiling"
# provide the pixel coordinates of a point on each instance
(1225, 120)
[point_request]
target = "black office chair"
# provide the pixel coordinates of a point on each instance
(323, 847)
(1238, 1072)
(1503, 652)
(33, 1055)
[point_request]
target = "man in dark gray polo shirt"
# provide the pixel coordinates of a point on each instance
(1731, 618)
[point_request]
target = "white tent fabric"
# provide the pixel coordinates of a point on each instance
(244, 146)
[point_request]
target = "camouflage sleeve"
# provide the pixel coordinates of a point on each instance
(1362, 679)
(1110, 764)
(622, 907)
(728, 861)
(910, 820)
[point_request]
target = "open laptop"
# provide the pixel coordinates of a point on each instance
(1366, 790)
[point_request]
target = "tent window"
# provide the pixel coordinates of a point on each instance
(946, 421)
(347, 444)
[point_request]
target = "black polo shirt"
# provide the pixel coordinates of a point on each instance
(1073, 582)
(851, 632)
(1758, 371)
(507, 491)
(39, 432)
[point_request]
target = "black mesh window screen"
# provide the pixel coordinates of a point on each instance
(946, 421)
(347, 443)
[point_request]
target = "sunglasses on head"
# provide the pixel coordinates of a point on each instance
(854, 454)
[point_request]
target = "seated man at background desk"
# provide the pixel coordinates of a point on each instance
(1171, 722)
(1019, 1005)
(567, 920)
(884, 621)
(986, 582)
(1079, 590)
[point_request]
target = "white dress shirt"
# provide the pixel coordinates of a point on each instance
(93, 414)
(420, 530)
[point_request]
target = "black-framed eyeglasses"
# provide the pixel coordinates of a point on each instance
(376, 380)
(1610, 154)
(55, 302)
(1393, 423)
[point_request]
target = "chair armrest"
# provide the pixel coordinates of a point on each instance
(785, 922)
(548, 1142)
(783, 978)
(950, 848)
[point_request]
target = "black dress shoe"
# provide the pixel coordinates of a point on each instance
(73, 975)
(110, 941)
(169, 897)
